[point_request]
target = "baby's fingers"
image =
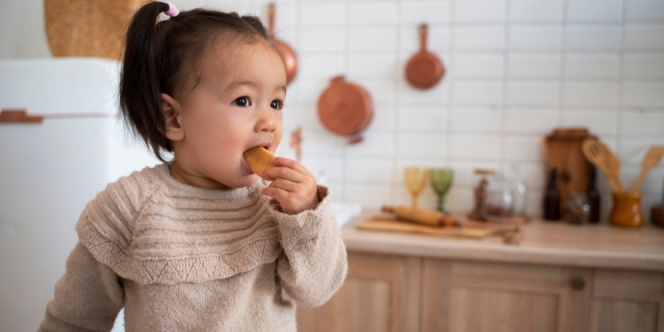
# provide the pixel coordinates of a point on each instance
(285, 185)
(277, 193)
(281, 173)
(290, 163)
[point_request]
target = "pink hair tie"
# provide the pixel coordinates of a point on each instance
(172, 11)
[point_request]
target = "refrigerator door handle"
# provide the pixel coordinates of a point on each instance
(19, 116)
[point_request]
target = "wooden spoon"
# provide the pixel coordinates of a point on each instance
(594, 153)
(651, 159)
(614, 165)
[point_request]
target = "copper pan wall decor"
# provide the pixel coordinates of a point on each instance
(424, 70)
(346, 109)
(288, 56)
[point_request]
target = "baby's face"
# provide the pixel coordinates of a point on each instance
(236, 105)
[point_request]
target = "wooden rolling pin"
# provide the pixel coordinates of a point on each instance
(422, 216)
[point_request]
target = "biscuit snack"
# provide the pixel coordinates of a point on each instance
(258, 159)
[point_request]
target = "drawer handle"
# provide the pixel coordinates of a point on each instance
(578, 283)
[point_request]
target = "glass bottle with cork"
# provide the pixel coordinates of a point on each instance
(552, 198)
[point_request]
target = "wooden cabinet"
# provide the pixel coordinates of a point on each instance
(411, 293)
(627, 301)
(478, 296)
(381, 293)
(560, 278)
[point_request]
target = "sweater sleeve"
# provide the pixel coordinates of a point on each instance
(87, 298)
(314, 264)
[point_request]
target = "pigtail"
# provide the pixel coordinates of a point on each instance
(140, 91)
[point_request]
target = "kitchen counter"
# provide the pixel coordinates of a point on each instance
(547, 243)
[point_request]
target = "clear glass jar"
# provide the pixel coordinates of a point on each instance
(499, 201)
(577, 208)
(506, 194)
(518, 186)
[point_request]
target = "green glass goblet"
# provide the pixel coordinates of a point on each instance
(441, 180)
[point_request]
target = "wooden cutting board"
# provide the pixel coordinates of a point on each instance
(562, 150)
(388, 225)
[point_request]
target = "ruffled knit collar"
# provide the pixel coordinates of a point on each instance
(230, 195)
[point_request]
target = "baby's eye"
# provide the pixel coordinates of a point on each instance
(277, 104)
(242, 101)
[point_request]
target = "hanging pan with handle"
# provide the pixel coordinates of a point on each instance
(424, 70)
(288, 56)
(346, 109)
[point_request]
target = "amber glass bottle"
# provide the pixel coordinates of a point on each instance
(552, 198)
(593, 196)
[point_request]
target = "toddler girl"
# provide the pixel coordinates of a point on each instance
(200, 243)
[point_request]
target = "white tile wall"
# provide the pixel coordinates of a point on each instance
(535, 10)
(533, 93)
(591, 94)
(480, 38)
(372, 13)
(644, 37)
(594, 10)
(645, 10)
(593, 38)
(600, 65)
(529, 120)
(638, 66)
(432, 12)
(535, 38)
(533, 65)
(478, 65)
(322, 15)
(472, 11)
(515, 70)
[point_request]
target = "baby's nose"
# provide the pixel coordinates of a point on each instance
(267, 121)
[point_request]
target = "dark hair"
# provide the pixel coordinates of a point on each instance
(154, 61)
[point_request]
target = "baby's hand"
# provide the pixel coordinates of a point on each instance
(293, 186)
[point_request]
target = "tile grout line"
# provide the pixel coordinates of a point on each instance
(344, 147)
(396, 107)
(505, 86)
(449, 103)
(621, 78)
(563, 63)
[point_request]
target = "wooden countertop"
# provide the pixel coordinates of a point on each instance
(559, 243)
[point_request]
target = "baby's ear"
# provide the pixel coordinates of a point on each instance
(171, 110)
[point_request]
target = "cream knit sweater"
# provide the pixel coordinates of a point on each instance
(181, 258)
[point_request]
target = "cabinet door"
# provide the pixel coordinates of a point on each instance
(627, 301)
(469, 296)
(381, 293)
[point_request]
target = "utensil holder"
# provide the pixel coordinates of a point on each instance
(626, 209)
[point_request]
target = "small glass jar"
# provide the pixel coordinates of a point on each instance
(506, 194)
(481, 179)
(518, 187)
(500, 200)
(577, 208)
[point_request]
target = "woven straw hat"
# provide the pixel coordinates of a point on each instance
(88, 28)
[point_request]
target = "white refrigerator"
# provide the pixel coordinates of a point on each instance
(50, 170)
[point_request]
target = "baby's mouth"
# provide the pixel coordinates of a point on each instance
(246, 167)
